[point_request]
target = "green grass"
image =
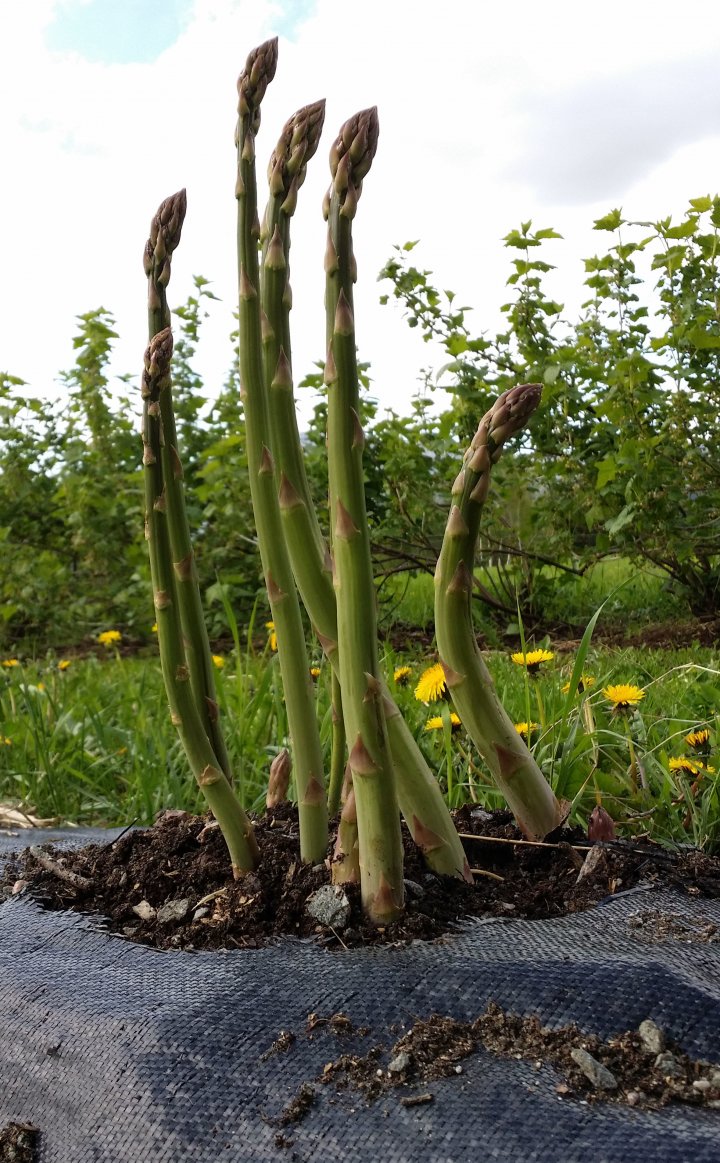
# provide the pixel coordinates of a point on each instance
(639, 596)
(94, 744)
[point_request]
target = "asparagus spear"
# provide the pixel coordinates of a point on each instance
(226, 808)
(373, 775)
(165, 231)
(418, 792)
(516, 773)
(307, 754)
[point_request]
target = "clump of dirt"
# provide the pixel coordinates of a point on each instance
(169, 886)
(18, 1143)
(636, 1067)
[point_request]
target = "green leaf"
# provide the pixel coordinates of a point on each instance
(684, 230)
(701, 204)
(610, 221)
(624, 517)
(606, 472)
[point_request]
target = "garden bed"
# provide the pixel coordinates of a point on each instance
(170, 886)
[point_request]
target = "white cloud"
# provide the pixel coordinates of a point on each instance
(480, 105)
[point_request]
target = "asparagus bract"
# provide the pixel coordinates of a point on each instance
(294, 665)
(514, 769)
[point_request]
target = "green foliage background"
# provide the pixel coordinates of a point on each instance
(620, 460)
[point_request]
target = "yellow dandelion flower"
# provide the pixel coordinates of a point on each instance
(431, 686)
(218, 661)
(108, 637)
(436, 723)
(5, 742)
(623, 696)
(532, 659)
(685, 764)
(11, 662)
(272, 636)
(401, 675)
(64, 663)
(153, 628)
(584, 683)
(525, 729)
(40, 686)
(699, 740)
(315, 672)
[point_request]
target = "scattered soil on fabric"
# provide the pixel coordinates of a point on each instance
(621, 1069)
(169, 886)
(18, 1143)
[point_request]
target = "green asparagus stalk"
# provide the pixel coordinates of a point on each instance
(226, 808)
(373, 775)
(165, 231)
(514, 770)
(337, 755)
(307, 754)
(418, 791)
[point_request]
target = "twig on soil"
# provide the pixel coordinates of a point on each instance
(489, 875)
(529, 843)
(46, 861)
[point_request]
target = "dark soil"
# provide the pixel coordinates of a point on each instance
(18, 1143)
(622, 1069)
(169, 885)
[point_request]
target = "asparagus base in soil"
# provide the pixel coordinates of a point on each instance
(200, 906)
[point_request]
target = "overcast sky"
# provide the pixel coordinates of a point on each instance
(489, 113)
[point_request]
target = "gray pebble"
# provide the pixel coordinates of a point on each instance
(329, 906)
(652, 1037)
(399, 1063)
(173, 911)
(594, 1071)
(668, 1065)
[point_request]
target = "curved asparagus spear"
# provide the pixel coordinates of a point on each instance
(226, 808)
(418, 792)
(378, 816)
(294, 665)
(165, 231)
(516, 773)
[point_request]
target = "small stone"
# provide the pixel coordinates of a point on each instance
(652, 1037)
(458, 1070)
(599, 1075)
(668, 1065)
(412, 888)
(632, 1098)
(714, 1077)
(714, 1104)
(200, 913)
(144, 910)
(173, 911)
(18, 886)
(329, 906)
(399, 1063)
(702, 1084)
(481, 814)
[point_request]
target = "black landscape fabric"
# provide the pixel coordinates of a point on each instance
(123, 1054)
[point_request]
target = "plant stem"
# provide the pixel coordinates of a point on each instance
(226, 808)
(378, 817)
(165, 231)
(418, 792)
(294, 665)
(514, 769)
